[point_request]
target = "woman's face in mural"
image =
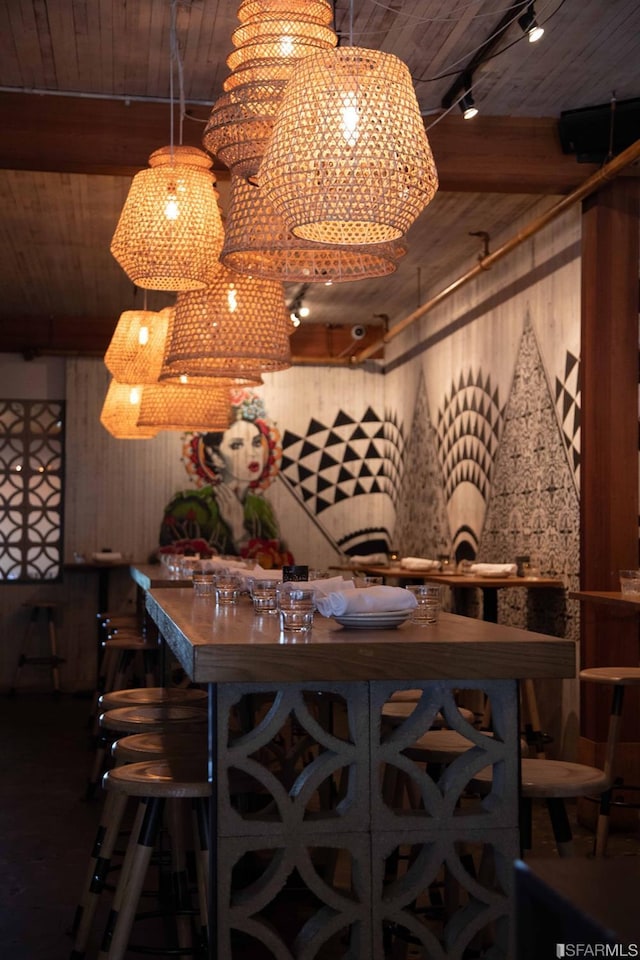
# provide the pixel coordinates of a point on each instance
(243, 448)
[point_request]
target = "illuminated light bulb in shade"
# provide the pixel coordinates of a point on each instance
(232, 298)
(184, 378)
(134, 396)
(304, 312)
(143, 336)
(350, 117)
(286, 46)
(171, 208)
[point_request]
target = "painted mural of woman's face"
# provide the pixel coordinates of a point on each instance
(244, 450)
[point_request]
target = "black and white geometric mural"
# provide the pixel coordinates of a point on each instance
(422, 524)
(567, 399)
(332, 464)
(534, 507)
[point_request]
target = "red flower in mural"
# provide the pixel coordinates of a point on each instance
(186, 546)
(268, 553)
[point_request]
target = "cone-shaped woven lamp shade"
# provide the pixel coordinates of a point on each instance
(349, 161)
(272, 37)
(237, 324)
(169, 234)
(257, 243)
(183, 406)
(120, 411)
(137, 346)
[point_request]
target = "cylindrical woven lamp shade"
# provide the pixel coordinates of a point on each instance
(318, 10)
(237, 324)
(183, 406)
(137, 346)
(120, 411)
(169, 234)
(257, 243)
(272, 37)
(349, 160)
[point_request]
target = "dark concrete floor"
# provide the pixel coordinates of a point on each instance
(47, 828)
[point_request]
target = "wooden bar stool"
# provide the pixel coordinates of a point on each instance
(618, 678)
(51, 659)
(177, 709)
(154, 783)
(128, 749)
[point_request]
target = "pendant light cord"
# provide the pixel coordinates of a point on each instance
(175, 63)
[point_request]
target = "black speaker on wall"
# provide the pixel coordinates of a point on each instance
(590, 132)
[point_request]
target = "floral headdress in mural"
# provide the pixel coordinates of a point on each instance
(245, 405)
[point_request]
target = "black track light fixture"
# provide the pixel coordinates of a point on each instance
(466, 102)
(529, 24)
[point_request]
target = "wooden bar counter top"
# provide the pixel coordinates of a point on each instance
(218, 644)
(338, 796)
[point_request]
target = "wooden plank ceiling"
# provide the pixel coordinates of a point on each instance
(84, 100)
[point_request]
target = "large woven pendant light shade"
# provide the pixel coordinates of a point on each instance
(258, 243)
(272, 37)
(184, 406)
(169, 234)
(237, 324)
(136, 349)
(349, 161)
(119, 414)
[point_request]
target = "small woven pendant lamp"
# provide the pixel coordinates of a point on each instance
(120, 411)
(257, 243)
(273, 35)
(170, 233)
(136, 349)
(186, 407)
(349, 160)
(238, 324)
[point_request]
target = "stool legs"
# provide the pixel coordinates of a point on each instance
(615, 721)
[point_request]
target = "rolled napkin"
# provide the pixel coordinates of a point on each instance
(493, 569)
(369, 600)
(419, 563)
(259, 573)
(331, 585)
(367, 558)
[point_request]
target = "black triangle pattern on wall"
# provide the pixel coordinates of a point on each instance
(345, 458)
(567, 398)
(468, 429)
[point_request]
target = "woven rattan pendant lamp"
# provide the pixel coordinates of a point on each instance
(120, 411)
(136, 349)
(186, 407)
(349, 161)
(273, 35)
(236, 326)
(169, 234)
(257, 243)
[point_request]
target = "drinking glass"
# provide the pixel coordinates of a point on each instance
(369, 581)
(630, 582)
(296, 606)
(203, 585)
(264, 594)
(429, 597)
(228, 587)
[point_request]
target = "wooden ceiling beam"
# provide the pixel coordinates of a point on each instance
(38, 336)
(71, 134)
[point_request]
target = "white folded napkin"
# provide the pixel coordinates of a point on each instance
(419, 563)
(331, 585)
(259, 573)
(493, 569)
(367, 558)
(367, 600)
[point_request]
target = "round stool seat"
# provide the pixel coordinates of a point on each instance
(400, 710)
(152, 697)
(444, 746)
(552, 778)
(148, 746)
(153, 719)
(626, 676)
(134, 641)
(181, 777)
(405, 696)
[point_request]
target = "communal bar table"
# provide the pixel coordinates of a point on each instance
(265, 857)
